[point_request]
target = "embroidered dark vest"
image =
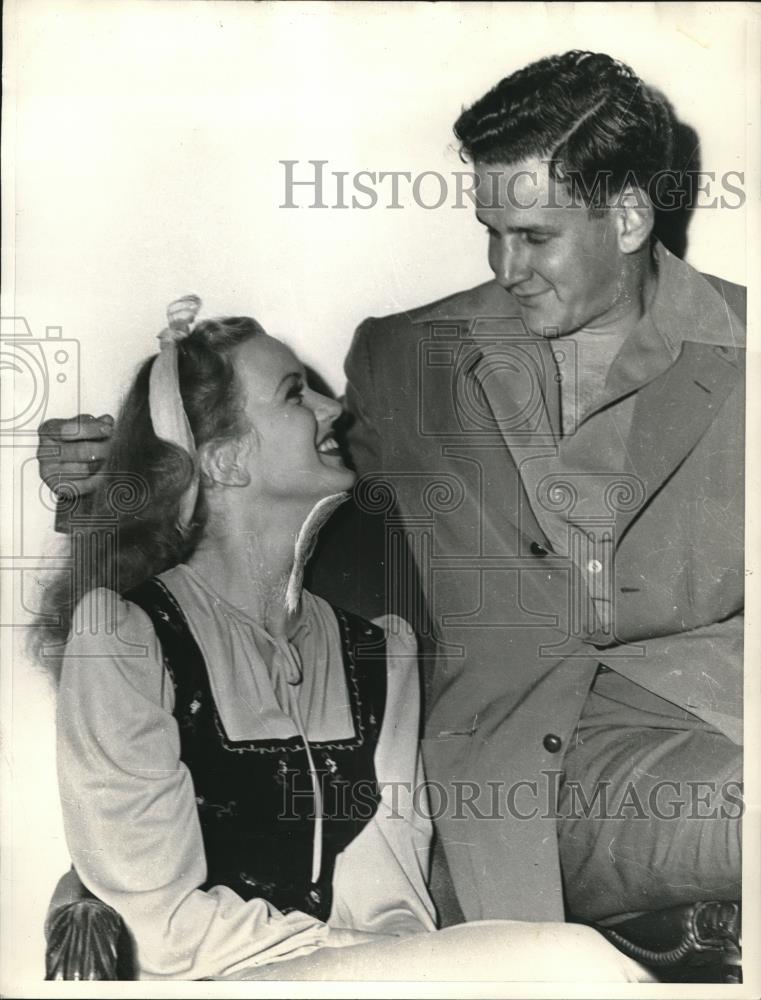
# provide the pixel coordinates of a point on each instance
(255, 798)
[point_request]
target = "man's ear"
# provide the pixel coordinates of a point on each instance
(223, 463)
(635, 219)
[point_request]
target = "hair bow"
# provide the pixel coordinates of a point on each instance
(170, 422)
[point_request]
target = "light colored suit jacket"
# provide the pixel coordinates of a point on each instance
(444, 399)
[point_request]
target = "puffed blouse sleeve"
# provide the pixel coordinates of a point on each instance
(380, 879)
(130, 813)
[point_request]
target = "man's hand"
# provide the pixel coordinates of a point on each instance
(74, 449)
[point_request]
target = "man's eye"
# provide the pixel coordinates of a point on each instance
(536, 239)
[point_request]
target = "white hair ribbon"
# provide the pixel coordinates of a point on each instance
(170, 422)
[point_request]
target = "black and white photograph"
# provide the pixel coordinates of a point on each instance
(379, 499)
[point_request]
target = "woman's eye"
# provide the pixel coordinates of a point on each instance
(296, 392)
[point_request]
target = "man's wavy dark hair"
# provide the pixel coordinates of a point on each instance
(599, 126)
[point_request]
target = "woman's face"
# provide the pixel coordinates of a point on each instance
(293, 451)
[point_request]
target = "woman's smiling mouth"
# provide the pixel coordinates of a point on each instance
(328, 447)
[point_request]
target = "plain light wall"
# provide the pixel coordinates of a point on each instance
(149, 135)
(145, 140)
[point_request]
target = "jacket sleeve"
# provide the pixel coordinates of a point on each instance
(384, 585)
(348, 568)
(130, 814)
(380, 879)
(700, 670)
(363, 436)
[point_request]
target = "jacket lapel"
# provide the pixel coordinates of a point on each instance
(511, 374)
(674, 411)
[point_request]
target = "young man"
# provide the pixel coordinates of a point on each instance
(562, 453)
(583, 414)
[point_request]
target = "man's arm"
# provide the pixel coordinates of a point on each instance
(354, 560)
(363, 438)
(700, 670)
(348, 566)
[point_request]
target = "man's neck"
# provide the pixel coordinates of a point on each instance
(585, 356)
(636, 287)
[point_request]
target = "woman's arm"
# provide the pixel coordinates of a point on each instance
(380, 879)
(130, 813)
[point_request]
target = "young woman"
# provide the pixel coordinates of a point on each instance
(238, 760)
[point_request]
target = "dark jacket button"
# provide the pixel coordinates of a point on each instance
(552, 743)
(537, 549)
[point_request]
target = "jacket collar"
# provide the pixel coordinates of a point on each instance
(686, 308)
(689, 306)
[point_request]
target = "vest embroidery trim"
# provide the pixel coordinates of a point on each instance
(256, 812)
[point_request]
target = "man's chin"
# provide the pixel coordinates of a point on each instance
(542, 328)
(547, 327)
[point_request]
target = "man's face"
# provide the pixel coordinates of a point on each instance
(562, 265)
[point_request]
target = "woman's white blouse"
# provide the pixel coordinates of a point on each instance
(129, 806)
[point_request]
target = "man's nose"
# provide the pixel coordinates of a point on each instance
(510, 262)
